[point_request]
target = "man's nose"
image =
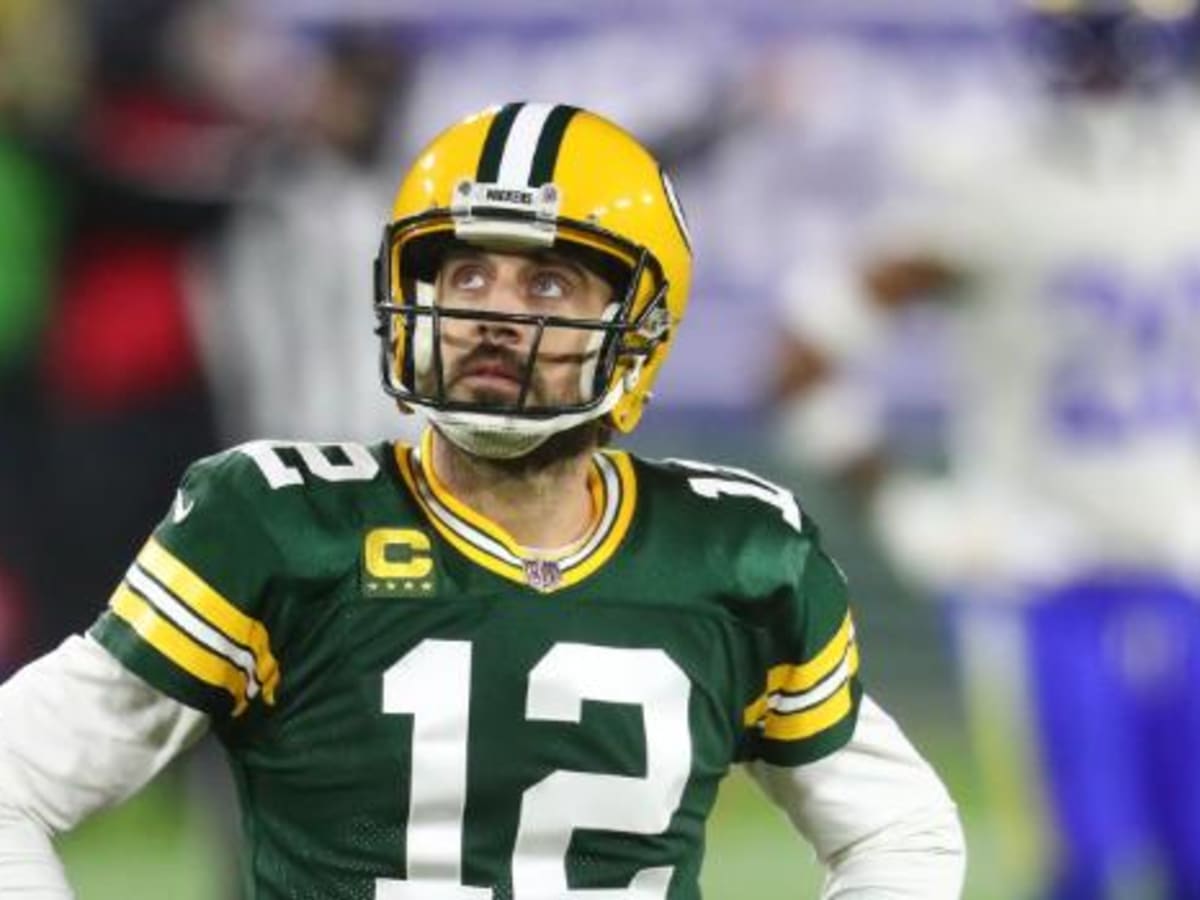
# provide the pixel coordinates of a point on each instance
(503, 296)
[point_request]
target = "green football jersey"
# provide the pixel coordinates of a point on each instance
(417, 708)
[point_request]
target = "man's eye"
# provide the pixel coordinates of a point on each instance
(549, 285)
(468, 278)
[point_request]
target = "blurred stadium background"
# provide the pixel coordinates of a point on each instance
(190, 196)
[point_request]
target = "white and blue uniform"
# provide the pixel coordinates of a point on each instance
(1074, 485)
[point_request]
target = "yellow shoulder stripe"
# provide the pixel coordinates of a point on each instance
(178, 647)
(787, 683)
(796, 678)
(798, 725)
(192, 590)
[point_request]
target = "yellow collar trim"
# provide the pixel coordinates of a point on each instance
(613, 486)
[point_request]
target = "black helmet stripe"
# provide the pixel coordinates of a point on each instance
(548, 145)
(522, 144)
(493, 144)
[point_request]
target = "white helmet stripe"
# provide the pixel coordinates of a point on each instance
(516, 165)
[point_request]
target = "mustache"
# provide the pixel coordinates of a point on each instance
(494, 357)
(510, 362)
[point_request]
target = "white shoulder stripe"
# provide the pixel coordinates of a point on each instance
(194, 626)
(790, 703)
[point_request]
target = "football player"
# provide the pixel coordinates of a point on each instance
(507, 662)
(1066, 523)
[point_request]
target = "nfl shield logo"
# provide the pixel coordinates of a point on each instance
(542, 574)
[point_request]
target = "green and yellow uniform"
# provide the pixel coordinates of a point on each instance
(417, 708)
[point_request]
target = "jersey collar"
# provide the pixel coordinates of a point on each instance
(611, 481)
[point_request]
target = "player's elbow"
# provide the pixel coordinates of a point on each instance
(921, 855)
(15, 818)
(934, 835)
(18, 809)
(28, 864)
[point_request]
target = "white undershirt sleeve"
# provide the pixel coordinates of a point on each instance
(878, 816)
(78, 732)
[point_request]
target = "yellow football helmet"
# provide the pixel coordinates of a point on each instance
(529, 176)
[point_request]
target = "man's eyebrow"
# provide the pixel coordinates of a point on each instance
(551, 258)
(454, 254)
(536, 257)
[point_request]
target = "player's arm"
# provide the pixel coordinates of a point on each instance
(78, 732)
(878, 816)
(181, 644)
(854, 787)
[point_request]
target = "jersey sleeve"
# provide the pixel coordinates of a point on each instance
(189, 615)
(809, 688)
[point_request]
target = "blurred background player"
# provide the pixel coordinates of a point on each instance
(1060, 512)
